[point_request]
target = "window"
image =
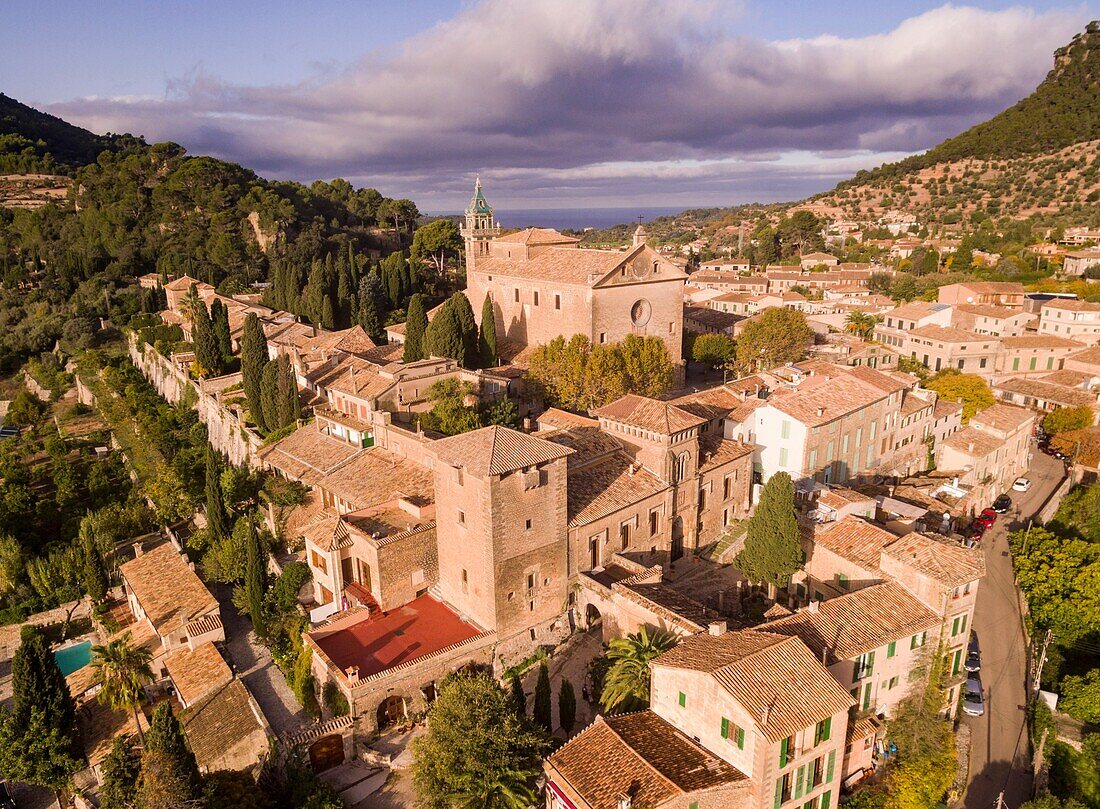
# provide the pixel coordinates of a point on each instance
(892, 683)
(961, 364)
(981, 362)
(517, 295)
(829, 452)
(891, 649)
(535, 297)
(1050, 363)
(786, 751)
(785, 429)
(841, 581)
(958, 626)
(465, 582)
(1015, 363)
(813, 459)
(461, 517)
(527, 525)
(727, 488)
(822, 731)
(817, 772)
(557, 301)
(733, 732)
(1032, 363)
(603, 337)
(683, 699)
(917, 640)
(624, 535)
(783, 456)
(319, 562)
(654, 523)
(865, 665)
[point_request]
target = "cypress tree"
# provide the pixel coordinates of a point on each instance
(255, 579)
(541, 711)
(253, 360)
(314, 294)
(167, 760)
(567, 706)
(467, 329)
(328, 313)
(269, 396)
(207, 352)
(345, 292)
(217, 519)
(393, 278)
(286, 391)
(120, 770)
(219, 319)
(773, 544)
(93, 573)
(487, 337)
(370, 290)
(416, 324)
(518, 698)
(443, 337)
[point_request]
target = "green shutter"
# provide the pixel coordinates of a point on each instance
(867, 696)
(892, 649)
(963, 627)
(784, 747)
(955, 627)
(825, 800)
(778, 793)
(683, 699)
(799, 779)
(913, 642)
(829, 769)
(725, 728)
(870, 664)
(740, 738)
(826, 729)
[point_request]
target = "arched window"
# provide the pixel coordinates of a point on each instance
(680, 468)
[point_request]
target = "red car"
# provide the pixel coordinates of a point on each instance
(988, 516)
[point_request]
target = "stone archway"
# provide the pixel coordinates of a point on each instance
(391, 711)
(327, 752)
(592, 616)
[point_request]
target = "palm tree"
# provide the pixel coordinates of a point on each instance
(861, 324)
(510, 789)
(122, 670)
(626, 686)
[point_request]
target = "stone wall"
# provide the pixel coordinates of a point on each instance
(224, 428)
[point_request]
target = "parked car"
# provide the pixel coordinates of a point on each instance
(973, 701)
(1002, 504)
(976, 530)
(1021, 485)
(6, 800)
(988, 516)
(973, 654)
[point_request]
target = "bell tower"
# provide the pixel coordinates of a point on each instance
(479, 227)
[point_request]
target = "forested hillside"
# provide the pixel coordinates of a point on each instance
(34, 141)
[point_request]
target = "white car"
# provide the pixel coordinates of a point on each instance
(1021, 485)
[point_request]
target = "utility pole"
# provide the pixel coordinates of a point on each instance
(1042, 661)
(1001, 801)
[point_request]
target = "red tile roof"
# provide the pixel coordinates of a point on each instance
(497, 450)
(649, 414)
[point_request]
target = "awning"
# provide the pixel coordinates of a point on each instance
(559, 796)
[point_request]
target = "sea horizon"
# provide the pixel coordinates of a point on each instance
(575, 218)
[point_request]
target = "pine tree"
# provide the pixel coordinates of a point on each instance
(773, 544)
(167, 763)
(541, 711)
(487, 338)
(219, 319)
(416, 324)
(253, 359)
(207, 353)
(269, 396)
(370, 319)
(286, 391)
(567, 706)
(217, 519)
(519, 699)
(255, 580)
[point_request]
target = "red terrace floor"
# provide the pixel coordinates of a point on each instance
(419, 628)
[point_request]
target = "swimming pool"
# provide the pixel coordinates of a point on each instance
(73, 658)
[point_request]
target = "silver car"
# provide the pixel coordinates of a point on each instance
(973, 701)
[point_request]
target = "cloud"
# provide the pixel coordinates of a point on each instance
(557, 91)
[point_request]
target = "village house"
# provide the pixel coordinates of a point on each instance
(1045, 396)
(811, 260)
(897, 323)
(983, 293)
(725, 265)
(988, 454)
(1077, 320)
(1078, 262)
(710, 320)
(1031, 355)
(939, 347)
(998, 321)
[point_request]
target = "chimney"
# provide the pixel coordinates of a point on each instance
(970, 447)
(352, 673)
(623, 801)
(139, 549)
(716, 628)
(821, 411)
(813, 607)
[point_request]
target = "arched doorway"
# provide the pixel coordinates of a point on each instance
(326, 752)
(592, 616)
(391, 711)
(677, 549)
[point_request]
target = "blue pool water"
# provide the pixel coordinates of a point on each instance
(73, 658)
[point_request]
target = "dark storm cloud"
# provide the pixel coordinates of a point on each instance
(557, 91)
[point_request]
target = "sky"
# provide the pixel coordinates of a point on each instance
(555, 103)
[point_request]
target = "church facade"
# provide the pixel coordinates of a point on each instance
(544, 285)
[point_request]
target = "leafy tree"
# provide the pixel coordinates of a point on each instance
(476, 746)
(773, 543)
(540, 713)
(434, 240)
(234, 788)
(122, 670)
(449, 413)
(305, 689)
(626, 684)
(253, 359)
(1080, 696)
(713, 350)
(217, 518)
(1065, 419)
(335, 701)
(567, 706)
(288, 780)
(1058, 576)
(416, 324)
(519, 699)
(120, 771)
(955, 386)
(1084, 445)
(487, 337)
(24, 410)
(647, 364)
(169, 773)
(774, 337)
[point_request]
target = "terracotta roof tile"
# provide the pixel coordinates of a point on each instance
(497, 450)
(1050, 392)
(1003, 417)
(949, 334)
(377, 476)
(649, 414)
(775, 678)
(642, 751)
(856, 540)
(1090, 356)
(604, 488)
(536, 236)
(220, 722)
(560, 264)
(850, 625)
(973, 442)
(589, 444)
(951, 565)
(307, 454)
(197, 673)
(716, 451)
(167, 588)
(821, 403)
(1072, 306)
(1039, 341)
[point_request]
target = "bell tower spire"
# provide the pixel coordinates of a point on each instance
(478, 229)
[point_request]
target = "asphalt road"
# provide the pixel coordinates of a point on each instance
(999, 755)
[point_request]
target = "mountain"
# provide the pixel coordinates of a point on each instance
(31, 140)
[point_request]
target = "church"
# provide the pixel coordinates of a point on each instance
(544, 285)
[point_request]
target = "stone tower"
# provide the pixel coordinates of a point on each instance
(478, 228)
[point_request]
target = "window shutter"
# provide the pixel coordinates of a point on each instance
(798, 781)
(892, 649)
(870, 663)
(829, 769)
(778, 793)
(725, 728)
(825, 800)
(963, 627)
(826, 728)
(783, 749)
(740, 738)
